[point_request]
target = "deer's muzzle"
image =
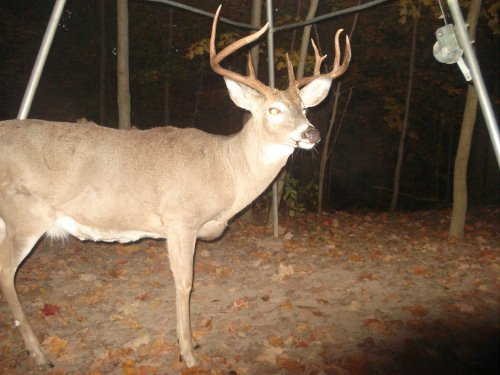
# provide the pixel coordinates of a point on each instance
(312, 135)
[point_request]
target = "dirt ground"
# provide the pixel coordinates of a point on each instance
(346, 293)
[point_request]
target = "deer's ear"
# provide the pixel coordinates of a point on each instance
(242, 95)
(315, 91)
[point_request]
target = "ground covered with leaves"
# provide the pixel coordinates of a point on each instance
(346, 293)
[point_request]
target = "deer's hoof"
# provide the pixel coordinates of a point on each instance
(47, 366)
(42, 362)
(189, 359)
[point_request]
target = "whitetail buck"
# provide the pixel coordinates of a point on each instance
(102, 184)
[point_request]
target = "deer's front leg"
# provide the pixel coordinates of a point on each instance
(180, 251)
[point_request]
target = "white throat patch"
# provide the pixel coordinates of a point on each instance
(274, 153)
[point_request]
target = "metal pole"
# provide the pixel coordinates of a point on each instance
(477, 78)
(270, 62)
(40, 60)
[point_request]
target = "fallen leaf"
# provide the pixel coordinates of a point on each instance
(284, 272)
(269, 354)
(118, 353)
(224, 271)
(290, 244)
(201, 267)
(195, 371)
(376, 326)
(286, 304)
(356, 258)
(465, 308)
(275, 341)
(118, 273)
(54, 345)
(419, 271)
(138, 341)
(418, 310)
(49, 309)
(291, 365)
(129, 368)
(354, 306)
(147, 370)
(366, 276)
(199, 332)
(240, 303)
(204, 253)
(160, 346)
(356, 364)
(88, 277)
(132, 323)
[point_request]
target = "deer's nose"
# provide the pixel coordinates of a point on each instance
(312, 135)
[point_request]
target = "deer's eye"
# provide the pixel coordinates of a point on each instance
(274, 111)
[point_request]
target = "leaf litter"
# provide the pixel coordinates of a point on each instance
(344, 293)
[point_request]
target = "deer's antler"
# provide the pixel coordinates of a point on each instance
(337, 70)
(215, 58)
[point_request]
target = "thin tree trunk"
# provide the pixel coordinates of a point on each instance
(197, 99)
(102, 63)
(306, 36)
(167, 51)
(122, 65)
(402, 137)
(459, 210)
(328, 156)
(326, 146)
(438, 164)
(294, 32)
(255, 21)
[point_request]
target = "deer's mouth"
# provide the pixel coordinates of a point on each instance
(308, 138)
(304, 144)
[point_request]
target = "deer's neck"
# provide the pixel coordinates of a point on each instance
(254, 163)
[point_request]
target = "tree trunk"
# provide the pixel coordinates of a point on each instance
(306, 36)
(167, 52)
(122, 65)
(102, 63)
(459, 210)
(402, 137)
(197, 100)
(326, 147)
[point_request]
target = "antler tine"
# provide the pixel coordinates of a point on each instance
(317, 58)
(216, 58)
(289, 66)
(337, 70)
(251, 70)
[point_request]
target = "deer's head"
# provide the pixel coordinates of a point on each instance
(279, 114)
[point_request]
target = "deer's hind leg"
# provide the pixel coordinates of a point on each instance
(16, 242)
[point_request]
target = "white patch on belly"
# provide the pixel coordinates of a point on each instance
(2, 230)
(66, 225)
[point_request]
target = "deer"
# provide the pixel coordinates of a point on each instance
(96, 183)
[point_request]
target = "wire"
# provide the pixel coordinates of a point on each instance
(442, 12)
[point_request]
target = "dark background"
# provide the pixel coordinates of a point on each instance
(363, 160)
